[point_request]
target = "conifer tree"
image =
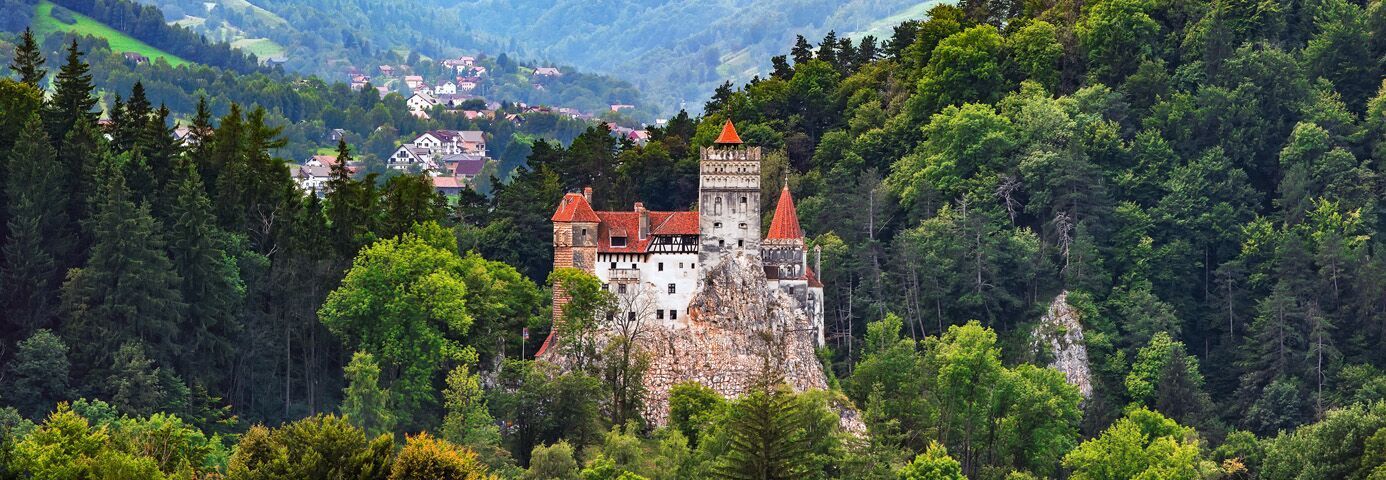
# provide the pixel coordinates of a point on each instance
(134, 382)
(211, 283)
(349, 205)
(37, 378)
(81, 155)
(128, 289)
(802, 51)
(765, 439)
(364, 402)
(72, 96)
(38, 230)
(28, 60)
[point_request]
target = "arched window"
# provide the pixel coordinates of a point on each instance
(717, 206)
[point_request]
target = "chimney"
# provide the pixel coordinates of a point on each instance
(644, 220)
(587, 194)
(818, 261)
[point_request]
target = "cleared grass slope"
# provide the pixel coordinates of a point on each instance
(44, 24)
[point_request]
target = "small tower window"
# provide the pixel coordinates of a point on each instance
(618, 241)
(740, 243)
(743, 226)
(717, 225)
(717, 206)
(743, 199)
(620, 288)
(671, 289)
(673, 314)
(659, 314)
(661, 266)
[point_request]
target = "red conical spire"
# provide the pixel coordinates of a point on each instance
(785, 225)
(728, 136)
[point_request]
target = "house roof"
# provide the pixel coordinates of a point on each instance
(785, 225)
(574, 208)
(627, 224)
(469, 165)
(728, 136)
(446, 182)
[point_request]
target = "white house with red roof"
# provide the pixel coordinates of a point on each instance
(661, 254)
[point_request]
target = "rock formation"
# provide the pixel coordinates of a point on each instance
(1060, 334)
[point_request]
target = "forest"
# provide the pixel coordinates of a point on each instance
(1198, 180)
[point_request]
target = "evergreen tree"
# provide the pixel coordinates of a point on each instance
(467, 421)
(350, 206)
(128, 289)
(765, 441)
(39, 239)
(364, 402)
(827, 49)
(410, 200)
(134, 383)
(72, 98)
(37, 378)
(28, 60)
(81, 157)
(211, 282)
(802, 51)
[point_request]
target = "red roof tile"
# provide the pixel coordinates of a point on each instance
(728, 136)
(785, 225)
(574, 208)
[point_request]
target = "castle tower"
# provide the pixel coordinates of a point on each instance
(785, 259)
(728, 198)
(574, 239)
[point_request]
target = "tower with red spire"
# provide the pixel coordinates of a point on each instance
(728, 198)
(785, 259)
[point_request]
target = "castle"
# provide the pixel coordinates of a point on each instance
(665, 255)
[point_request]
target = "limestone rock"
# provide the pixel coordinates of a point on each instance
(1060, 332)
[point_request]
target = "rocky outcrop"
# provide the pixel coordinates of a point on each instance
(736, 329)
(1060, 334)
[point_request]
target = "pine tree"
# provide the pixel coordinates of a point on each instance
(38, 230)
(129, 127)
(827, 50)
(37, 378)
(134, 383)
(802, 51)
(765, 441)
(72, 96)
(128, 290)
(211, 282)
(81, 155)
(350, 204)
(364, 402)
(28, 60)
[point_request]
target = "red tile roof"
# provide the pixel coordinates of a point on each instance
(813, 281)
(627, 224)
(785, 225)
(574, 208)
(728, 136)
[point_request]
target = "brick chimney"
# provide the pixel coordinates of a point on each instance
(644, 220)
(587, 194)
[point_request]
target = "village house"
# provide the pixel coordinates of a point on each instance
(421, 101)
(616, 107)
(387, 70)
(447, 88)
(664, 254)
(413, 81)
(547, 72)
(427, 151)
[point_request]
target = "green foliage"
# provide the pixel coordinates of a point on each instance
(1143, 444)
(552, 462)
(964, 68)
(424, 457)
(468, 422)
(322, 446)
(364, 402)
(37, 377)
(933, 464)
(404, 301)
(1345, 444)
(766, 437)
(693, 407)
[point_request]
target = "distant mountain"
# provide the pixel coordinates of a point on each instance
(677, 49)
(673, 50)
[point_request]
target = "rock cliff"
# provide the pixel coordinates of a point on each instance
(1060, 334)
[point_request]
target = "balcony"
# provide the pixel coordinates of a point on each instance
(623, 275)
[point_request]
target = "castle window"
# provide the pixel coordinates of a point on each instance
(661, 266)
(740, 243)
(613, 265)
(620, 288)
(635, 266)
(717, 206)
(717, 225)
(743, 226)
(743, 199)
(659, 314)
(671, 288)
(673, 314)
(618, 241)
(631, 316)
(680, 264)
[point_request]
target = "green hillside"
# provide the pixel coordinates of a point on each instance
(45, 23)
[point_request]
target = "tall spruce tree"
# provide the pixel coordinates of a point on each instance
(349, 206)
(28, 60)
(128, 290)
(81, 156)
(72, 96)
(765, 438)
(211, 282)
(38, 231)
